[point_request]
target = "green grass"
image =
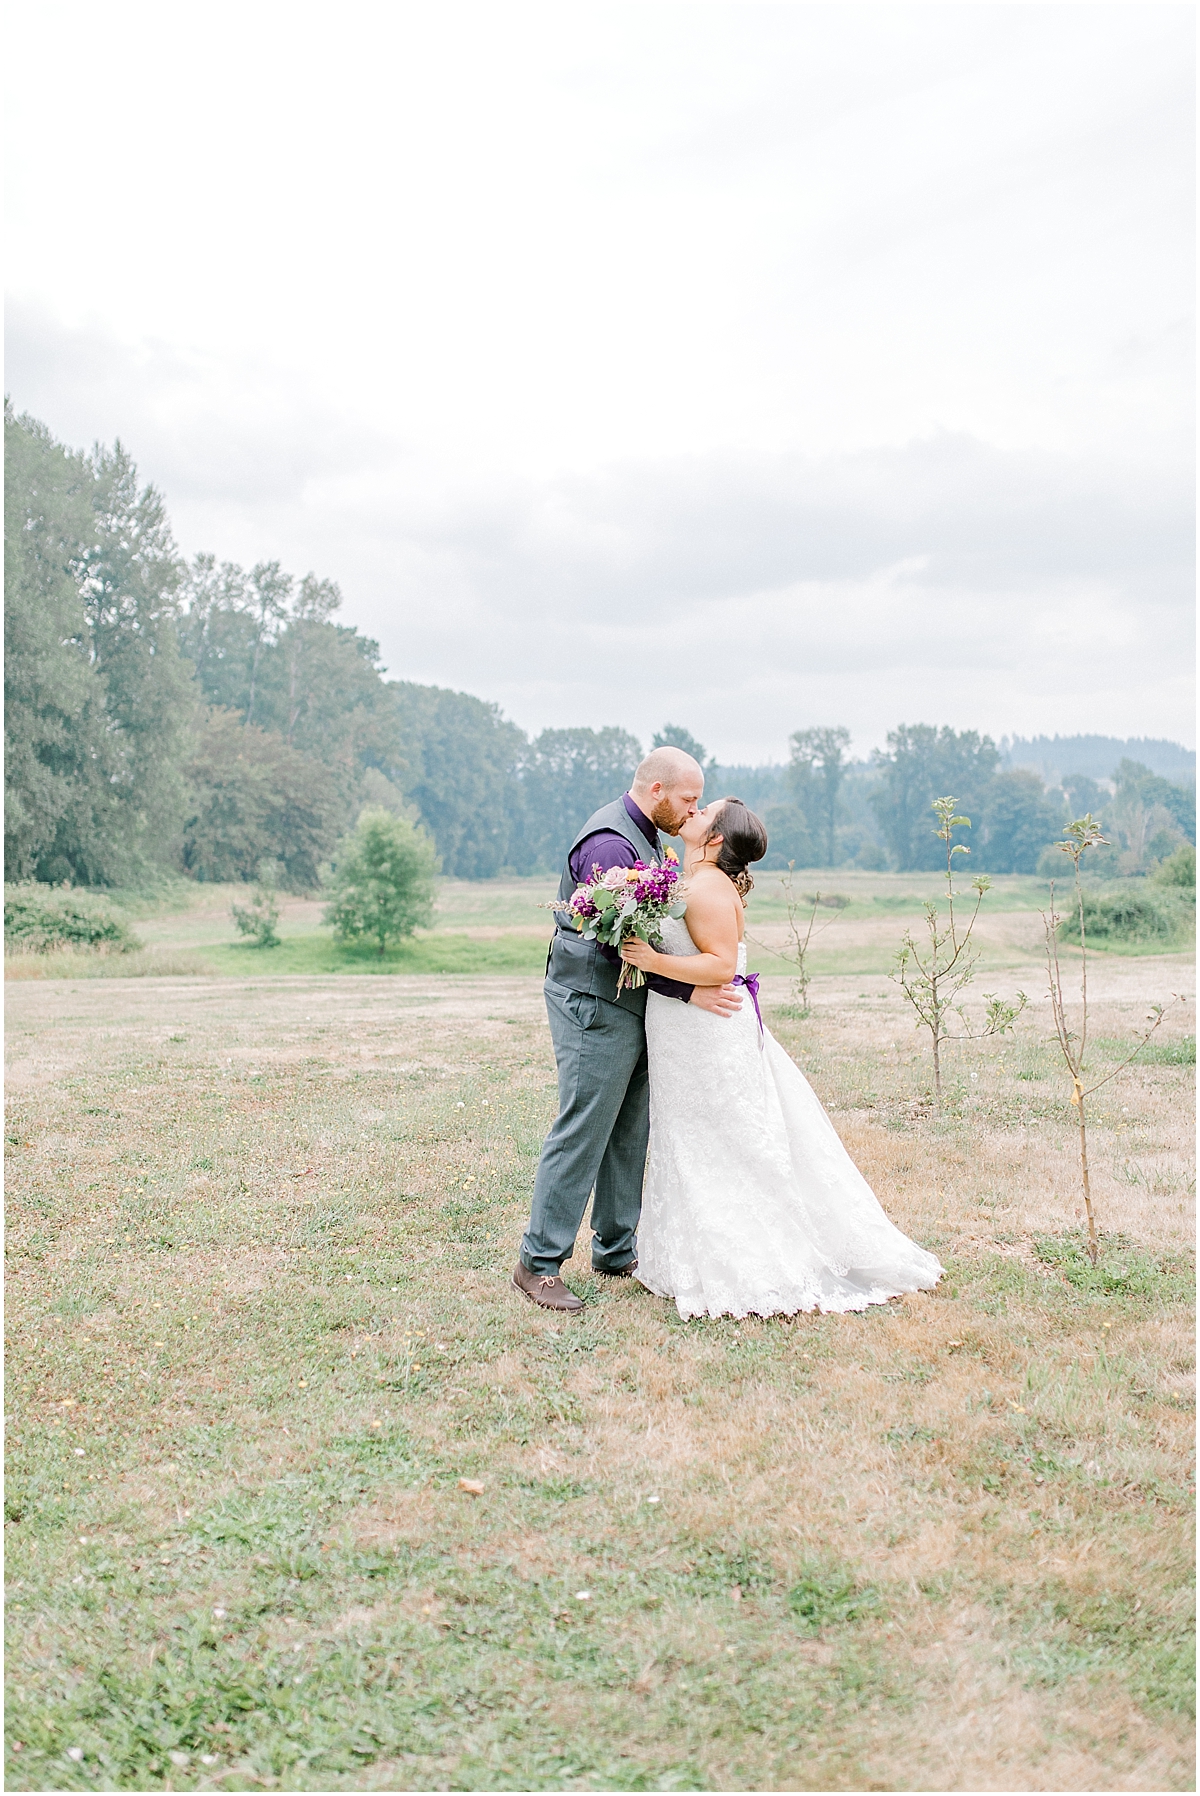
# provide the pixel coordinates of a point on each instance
(422, 953)
(260, 1328)
(1169, 1053)
(450, 1680)
(863, 896)
(502, 925)
(1122, 1271)
(1177, 947)
(825, 1597)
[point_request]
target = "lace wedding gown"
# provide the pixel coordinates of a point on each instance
(751, 1205)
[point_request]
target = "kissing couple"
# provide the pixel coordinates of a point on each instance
(746, 1202)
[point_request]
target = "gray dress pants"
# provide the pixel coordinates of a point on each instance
(598, 1140)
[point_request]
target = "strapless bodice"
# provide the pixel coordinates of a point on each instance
(676, 939)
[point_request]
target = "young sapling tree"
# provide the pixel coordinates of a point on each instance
(258, 918)
(1081, 835)
(800, 935)
(933, 974)
(383, 885)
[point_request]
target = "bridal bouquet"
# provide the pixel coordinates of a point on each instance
(626, 901)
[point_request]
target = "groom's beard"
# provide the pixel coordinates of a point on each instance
(667, 818)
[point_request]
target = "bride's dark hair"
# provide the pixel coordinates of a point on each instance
(743, 839)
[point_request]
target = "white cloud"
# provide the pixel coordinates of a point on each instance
(754, 365)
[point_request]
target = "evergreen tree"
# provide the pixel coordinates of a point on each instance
(458, 759)
(130, 579)
(818, 764)
(921, 765)
(569, 774)
(321, 688)
(673, 735)
(1020, 820)
(789, 840)
(1137, 784)
(1085, 796)
(99, 698)
(264, 640)
(59, 755)
(267, 592)
(316, 602)
(216, 631)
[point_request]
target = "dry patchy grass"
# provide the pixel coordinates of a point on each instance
(260, 1327)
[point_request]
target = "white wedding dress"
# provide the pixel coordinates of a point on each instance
(751, 1205)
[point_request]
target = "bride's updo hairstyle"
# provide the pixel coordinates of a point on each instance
(743, 840)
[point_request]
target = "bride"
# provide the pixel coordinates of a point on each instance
(751, 1205)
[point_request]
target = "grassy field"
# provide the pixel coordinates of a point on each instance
(502, 927)
(478, 928)
(260, 1328)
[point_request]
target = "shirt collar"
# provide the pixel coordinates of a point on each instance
(643, 822)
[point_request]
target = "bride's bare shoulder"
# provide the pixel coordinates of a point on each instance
(710, 891)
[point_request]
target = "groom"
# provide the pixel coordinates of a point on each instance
(598, 1140)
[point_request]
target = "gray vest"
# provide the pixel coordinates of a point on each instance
(577, 964)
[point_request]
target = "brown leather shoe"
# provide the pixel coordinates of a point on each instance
(626, 1271)
(551, 1293)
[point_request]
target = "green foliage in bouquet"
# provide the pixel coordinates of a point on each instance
(625, 902)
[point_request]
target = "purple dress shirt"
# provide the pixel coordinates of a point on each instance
(608, 849)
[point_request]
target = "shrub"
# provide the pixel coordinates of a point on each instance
(1120, 917)
(258, 918)
(382, 886)
(38, 918)
(1178, 871)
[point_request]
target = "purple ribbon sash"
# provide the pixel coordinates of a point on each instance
(750, 981)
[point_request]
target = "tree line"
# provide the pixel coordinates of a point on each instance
(202, 717)
(828, 811)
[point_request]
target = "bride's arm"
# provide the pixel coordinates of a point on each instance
(712, 922)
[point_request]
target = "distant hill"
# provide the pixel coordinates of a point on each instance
(1097, 756)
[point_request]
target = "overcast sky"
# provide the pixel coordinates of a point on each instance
(747, 365)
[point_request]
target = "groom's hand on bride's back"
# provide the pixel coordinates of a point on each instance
(721, 1000)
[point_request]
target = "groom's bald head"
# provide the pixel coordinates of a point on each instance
(668, 768)
(667, 788)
